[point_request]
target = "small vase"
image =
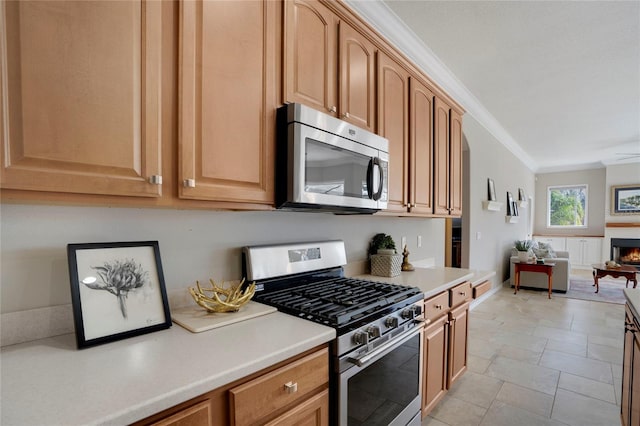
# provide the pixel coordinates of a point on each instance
(523, 256)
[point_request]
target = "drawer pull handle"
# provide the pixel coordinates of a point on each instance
(438, 306)
(462, 293)
(291, 387)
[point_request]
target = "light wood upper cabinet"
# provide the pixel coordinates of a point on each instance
(455, 173)
(357, 78)
(80, 108)
(405, 117)
(441, 158)
(393, 124)
(447, 160)
(421, 147)
(228, 53)
(310, 55)
(314, 74)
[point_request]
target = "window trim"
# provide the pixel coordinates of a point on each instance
(586, 206)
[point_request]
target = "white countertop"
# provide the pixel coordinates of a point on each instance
(633, 299)
(50, 382)
(434, 280)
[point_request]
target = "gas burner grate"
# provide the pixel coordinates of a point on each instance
(337, 301)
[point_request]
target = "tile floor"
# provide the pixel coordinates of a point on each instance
(534, 361)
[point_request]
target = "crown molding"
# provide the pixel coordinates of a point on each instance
(390, 26)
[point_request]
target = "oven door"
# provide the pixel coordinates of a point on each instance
(383, 387)
(334, 171)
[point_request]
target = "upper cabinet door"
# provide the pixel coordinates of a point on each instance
(456, 164)
(421, 137)
(228, 56)
(310, 55)
(441, 158)
(80, 90)
(393, 123)
(357, 78)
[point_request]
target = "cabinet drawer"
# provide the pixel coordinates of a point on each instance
(199, 414)
(481, 289)
(460, 293)
(255, 399)
(436, 306)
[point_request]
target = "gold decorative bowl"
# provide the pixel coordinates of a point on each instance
(221, 299)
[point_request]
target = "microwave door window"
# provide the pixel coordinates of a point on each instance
(331, 170)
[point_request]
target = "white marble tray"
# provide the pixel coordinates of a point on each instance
(196, 319)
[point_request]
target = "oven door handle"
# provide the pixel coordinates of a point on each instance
(389, 346)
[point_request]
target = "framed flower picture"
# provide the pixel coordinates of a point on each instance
(117, 291)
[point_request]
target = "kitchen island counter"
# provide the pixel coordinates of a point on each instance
(50, 382)
(633, 300)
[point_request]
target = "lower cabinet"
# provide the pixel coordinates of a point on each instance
(458, 327)
(480, 289)
(434, 363)
(295, 392)
(630, 404)
(444, 343)
(584, 251)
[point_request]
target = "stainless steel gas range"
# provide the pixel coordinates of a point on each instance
(375, 359)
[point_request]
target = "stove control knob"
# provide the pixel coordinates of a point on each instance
(361, 338)
(411, 312)
(391, 322)
(373, 331)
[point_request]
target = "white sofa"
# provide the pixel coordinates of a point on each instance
(561, 273)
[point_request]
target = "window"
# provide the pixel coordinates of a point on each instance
(567, 206)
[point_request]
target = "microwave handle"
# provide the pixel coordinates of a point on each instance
(377, 162)
(370, 193)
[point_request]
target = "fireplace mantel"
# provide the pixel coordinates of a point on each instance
(623, 224)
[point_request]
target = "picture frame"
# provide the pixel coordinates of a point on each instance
(512, 209)
(625, 199)
(117, 291)
(521, 196)
(491, 190)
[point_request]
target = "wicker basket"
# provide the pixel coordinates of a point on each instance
(386, 265)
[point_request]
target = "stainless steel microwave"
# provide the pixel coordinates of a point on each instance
(326, 164)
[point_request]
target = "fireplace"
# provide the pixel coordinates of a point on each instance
(626, 251)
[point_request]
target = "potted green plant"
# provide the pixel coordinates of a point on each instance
(523, 246)
(385, 262)
(382, 244)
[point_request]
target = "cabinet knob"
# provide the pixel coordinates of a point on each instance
(463, 293)
(189, 183)
(346, 115)
(291, 387)
(155, 180)
(333, 109)
(438, 307)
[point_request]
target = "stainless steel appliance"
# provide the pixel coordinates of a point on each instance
(375, 358)
(328, 164)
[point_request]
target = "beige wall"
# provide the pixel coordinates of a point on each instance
(194, 244)
(488, 158)
(595, 179)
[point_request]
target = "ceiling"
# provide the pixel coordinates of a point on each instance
(556, 81)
